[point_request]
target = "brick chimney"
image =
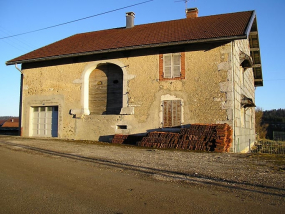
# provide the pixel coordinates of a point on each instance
(130, 16)
(192, 13)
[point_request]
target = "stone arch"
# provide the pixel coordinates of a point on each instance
(106, 89)
(85, 82)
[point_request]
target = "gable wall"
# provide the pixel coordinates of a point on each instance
(244, 128)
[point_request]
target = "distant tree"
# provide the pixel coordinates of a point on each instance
(274, 115)
(260, 126)
(5, 117)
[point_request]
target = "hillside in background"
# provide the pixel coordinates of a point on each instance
(275, 115)
(274, 121)
(6, 117)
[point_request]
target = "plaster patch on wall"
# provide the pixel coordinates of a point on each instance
(127, 110)
(229, 96)
(169, 97)
(230, 114)
(77, 81)
(225, 86)
(218, 99)
(224, 66)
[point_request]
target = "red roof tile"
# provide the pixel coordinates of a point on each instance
(11, 123)
(2, 122)
(184, 30)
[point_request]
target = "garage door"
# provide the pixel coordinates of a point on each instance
(45, 121)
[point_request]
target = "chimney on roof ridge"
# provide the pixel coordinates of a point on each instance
(192, 13)
(130, 16)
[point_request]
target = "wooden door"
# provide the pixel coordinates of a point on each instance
(106, 90)
(171, 113)
(97, 92)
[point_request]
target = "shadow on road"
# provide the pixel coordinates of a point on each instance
(179, 176)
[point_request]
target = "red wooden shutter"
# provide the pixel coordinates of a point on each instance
(171, 113)
(176, 112)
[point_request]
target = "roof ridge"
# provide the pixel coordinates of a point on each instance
(219, 27)
(117, 28)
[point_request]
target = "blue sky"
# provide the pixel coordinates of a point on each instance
(19, 16)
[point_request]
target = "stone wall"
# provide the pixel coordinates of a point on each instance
(206, 93)
(244, 127)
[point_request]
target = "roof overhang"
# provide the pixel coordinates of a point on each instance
(220, 39)
(255, 53)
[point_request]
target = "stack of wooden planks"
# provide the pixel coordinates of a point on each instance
(163, 140)
(119, 138)
(126, 139)
(202, 137)
(223, 140)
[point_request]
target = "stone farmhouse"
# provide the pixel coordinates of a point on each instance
(140, 78)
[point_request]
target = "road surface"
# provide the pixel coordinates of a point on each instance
(35, 182)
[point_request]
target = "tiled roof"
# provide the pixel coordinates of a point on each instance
(224, 26)
(11, 123)
(2, 122)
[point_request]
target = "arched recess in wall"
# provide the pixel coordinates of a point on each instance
(106, 89)
(85, 83)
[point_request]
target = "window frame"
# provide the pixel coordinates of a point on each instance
(171, 113)
(171, 64)
(172, 75)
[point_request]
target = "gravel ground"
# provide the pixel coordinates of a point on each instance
(250, 173)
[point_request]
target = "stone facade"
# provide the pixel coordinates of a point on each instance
(244, 126)
(210, 92)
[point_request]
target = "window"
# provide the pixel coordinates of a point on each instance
(171, 113)
(242, 75)
(172, 66)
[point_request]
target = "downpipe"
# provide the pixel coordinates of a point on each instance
(233, 91)
(21, 99)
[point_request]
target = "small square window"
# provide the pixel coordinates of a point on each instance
(172, 66)
(122, 127)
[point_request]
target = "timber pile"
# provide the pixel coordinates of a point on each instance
(212, 137)
(119, 138)
(126, 139)
(163, 140)
(224, 138)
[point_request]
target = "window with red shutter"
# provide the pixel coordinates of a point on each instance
(172, 65)
(171, 113)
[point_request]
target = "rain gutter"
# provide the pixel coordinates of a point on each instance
(18, 68)
(248, 28)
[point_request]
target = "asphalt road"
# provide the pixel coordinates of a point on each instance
(34, 182)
